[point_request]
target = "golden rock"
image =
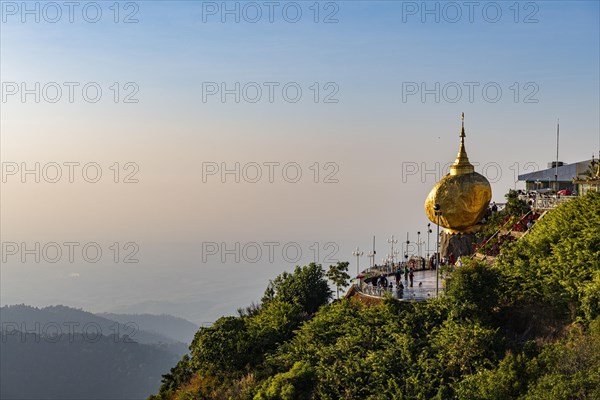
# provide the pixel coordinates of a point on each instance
(463, 195)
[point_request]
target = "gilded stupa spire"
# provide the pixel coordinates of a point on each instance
(462, 165)
(459, 200)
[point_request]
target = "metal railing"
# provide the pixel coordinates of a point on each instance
(408, 294)
(390, 269)
(546, 202)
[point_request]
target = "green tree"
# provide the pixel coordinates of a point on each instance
(462, 347)
(224, 347)
(473, 290)
(338, 274)
(273, 325)
(506, 382)
(178, 376)
(554, 264)
(590, 297)
(514, 205)
(495, 334)
(306, 287)
(569, 369)
(295, 384)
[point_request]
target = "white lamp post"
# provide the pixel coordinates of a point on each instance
(357, 253)
(392, 241)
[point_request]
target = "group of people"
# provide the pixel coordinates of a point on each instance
(382, 283)
(409, 275)
(422, 263)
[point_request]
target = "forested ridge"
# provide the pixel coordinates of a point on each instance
(78, 366)
(526, 326)
(60, 352)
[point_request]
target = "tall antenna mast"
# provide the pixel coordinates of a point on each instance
(556, 165)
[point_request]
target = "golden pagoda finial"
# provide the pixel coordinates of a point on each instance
(462, 165)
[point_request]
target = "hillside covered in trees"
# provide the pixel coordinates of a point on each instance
(525, 327)
(59, 352)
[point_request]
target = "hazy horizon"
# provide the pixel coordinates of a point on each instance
(353, 157)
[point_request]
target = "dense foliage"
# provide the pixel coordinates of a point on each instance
(525, 327)
(558, 262)
(306, 288)
(338, 274)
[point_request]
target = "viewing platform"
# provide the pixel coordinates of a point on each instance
(423, 287)
(545, 202)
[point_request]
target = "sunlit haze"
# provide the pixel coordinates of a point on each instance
(216, 171)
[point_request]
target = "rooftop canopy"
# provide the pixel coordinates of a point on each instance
(566, 173)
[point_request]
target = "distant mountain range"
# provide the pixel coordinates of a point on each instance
(60, 352)
(175, 328)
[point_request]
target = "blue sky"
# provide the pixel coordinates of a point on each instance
(369, 55)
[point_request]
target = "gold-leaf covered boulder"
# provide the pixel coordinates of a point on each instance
(463, 195)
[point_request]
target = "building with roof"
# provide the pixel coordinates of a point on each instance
(562, 177)
(591, 179)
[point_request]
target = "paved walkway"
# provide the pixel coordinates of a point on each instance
(425, 291)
